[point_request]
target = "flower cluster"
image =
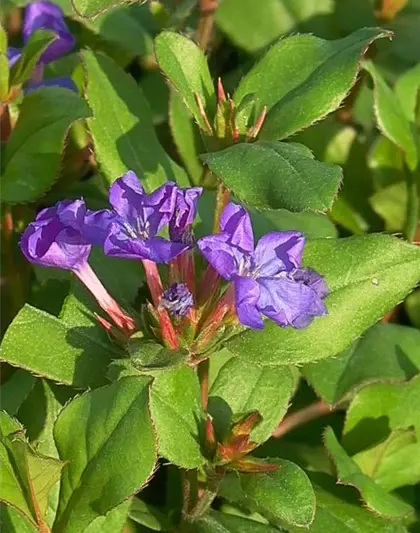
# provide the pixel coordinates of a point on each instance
(45, 16)
(266, 279)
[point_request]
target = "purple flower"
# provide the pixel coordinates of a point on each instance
(138, 218)
(13, 55)
(47, 16)
(55, 239)
(50, 243)
(62, 81)
(92, 225)
(177, 299)
(184, 214)
(268, 279)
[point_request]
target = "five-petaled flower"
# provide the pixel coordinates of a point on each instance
(138, 218)
(55, 239)
(268, 279)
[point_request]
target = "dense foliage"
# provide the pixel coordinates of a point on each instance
(210, 229)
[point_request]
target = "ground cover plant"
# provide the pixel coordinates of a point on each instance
(210, 254)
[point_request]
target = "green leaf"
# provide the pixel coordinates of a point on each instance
(108, 439)
(4, 77)
(241, 388)
(386, 351)
(276, 175)
(302, 78)
(120, 27)
(12, 521)
(407, 90)
(367, 276)
(412, 306)
(151, 517)
(218, 522)
(185, 65)
(338, 511)
(38, 414)
(385, 162)
(285, 498)
(177, 416)
(28, 477)
(49, 347)
(392, 463)
(149, 356)
(114, 521)
(391, 204)
(375, 403)
(349, 473)
(391, 118)
(123, 134)
(93, 8)
(32, 156)
(38, 42)
(15, 390)
(252, 28)
(3, 40)
(185, 137)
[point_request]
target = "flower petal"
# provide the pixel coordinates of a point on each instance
(184, 212)
(63, 82)
(236, 223)
(287, 302)
(48, 16)
(45, 247)
(126, 195)
(92, 225)
(13, 55)
(247, 294)
(313, 280)
(276, 252)
(223, 257)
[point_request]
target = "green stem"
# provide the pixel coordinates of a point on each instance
(412, 213)
(189, 491)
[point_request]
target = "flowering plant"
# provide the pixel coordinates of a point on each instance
(187, 318)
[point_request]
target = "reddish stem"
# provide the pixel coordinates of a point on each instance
(205, 22)
(203, 376)
(154, 282)
(311, 412)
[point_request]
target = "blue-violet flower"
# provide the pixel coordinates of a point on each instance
(48, 16)
(184, 214)
(177, 299)
(267, 279)
(50, 242)
(138, 218)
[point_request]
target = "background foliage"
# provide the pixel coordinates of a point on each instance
(94, 442)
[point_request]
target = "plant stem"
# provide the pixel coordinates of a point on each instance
(222, 198)
(412, 213)
(203, 376)
(207, 8)
(311, 412)
(5, 122)
(154, 282)
(189, 491)
(13, 275)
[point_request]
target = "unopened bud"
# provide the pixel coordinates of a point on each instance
(177, 299)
